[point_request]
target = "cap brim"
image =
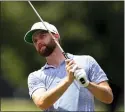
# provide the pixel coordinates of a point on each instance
(28, 35)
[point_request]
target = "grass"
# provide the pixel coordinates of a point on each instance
(28, 105)
(18, 105)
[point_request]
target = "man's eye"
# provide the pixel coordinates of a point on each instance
(43, 35)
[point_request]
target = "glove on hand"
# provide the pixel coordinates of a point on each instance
(81, 77)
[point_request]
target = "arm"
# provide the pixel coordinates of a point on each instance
(101, 91)
(44, 99)
(96, 84)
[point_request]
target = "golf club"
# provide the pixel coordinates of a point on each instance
(65, 55)
(80, 77)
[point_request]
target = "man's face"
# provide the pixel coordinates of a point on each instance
(43, 43)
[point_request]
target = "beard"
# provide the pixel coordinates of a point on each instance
(48, 48)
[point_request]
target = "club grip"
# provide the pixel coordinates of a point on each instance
(65, 55)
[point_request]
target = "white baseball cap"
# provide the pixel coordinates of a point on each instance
(39, 26)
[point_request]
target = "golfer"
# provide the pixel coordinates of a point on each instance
(54, 87)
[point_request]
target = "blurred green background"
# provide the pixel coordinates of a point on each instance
(93, 28)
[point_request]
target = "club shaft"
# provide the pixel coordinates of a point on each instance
(65, 55)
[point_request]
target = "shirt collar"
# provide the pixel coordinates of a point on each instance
(71, 56)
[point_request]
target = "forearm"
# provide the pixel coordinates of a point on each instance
(51, 96)
(102, 93)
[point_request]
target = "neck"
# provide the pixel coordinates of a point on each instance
(55, 58)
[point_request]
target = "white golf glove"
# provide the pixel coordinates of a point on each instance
(81, 77)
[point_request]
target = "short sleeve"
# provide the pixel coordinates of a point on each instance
(34, 83)
(96, 74)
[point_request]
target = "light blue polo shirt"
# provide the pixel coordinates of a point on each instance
(75, 98)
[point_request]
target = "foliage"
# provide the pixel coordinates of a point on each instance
(86, 27)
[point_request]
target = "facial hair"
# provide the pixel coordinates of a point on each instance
(49, 48)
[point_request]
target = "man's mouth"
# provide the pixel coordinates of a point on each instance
(41, 46)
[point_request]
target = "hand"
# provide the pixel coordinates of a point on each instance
(81, 77)
(70, 68)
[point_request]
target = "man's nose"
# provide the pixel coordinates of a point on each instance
(40, 43)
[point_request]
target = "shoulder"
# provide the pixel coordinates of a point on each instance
(35, 74)
(82, 57)
(87, 58)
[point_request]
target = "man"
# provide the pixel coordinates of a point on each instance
(54, 87)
